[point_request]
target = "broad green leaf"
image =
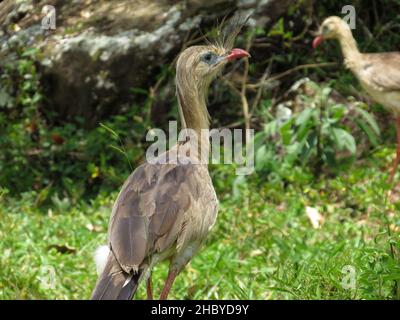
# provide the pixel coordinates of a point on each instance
(344, 140)
(372, 136)
(326, 92)
(259, 139)
(369, 118)
(261, 154)
(304, 116)
(305, 122)
(337, 112)
(292, 152)
(271, 128)
(286, 132)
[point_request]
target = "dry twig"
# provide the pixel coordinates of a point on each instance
(290, 71)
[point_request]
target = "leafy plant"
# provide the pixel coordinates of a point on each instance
(319, 135)
(66, 158)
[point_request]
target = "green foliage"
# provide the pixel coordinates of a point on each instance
(60, 158)
(20, 97)
(262, 246)
(279, 29)
(314, 136)
(68, 155)
(20, 83)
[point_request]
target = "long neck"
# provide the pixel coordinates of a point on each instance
(349, 45)
(194, 115)
(193, 110)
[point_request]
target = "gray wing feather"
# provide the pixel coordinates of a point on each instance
(112, 283)
(383, 71)
(149, 212)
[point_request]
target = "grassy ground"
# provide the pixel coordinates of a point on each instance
(263, 245)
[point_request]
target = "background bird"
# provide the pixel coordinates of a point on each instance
(378, 73)
(165, 211)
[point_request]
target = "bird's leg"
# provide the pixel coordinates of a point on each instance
(168, 284)
(149, 288)
(397, 160)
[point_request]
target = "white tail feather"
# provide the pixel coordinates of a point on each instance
(100, 258)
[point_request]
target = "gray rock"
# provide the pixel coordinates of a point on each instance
(97, 55)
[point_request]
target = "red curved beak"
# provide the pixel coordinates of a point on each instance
(317, 41)
(237, 53)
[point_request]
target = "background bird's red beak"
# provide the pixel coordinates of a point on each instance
(237, 53)
(317, 41)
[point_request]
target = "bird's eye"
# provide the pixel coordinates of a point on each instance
(209, 58)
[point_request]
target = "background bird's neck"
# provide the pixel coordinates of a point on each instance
(349, 46)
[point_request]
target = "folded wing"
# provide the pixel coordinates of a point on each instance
(382, 71)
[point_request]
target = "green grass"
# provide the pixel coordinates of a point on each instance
(262, 247)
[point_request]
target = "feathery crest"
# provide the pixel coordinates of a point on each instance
(227, 31)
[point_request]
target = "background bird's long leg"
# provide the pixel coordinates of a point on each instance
(397, 160)
(149, 288)
(168, 284)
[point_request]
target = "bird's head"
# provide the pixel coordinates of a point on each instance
(199, 65)
(196, 67)
(332, 28)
